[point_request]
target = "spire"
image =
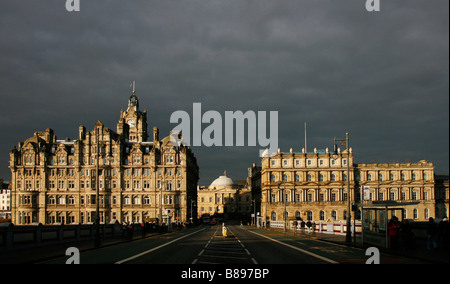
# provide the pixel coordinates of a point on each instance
(133, 101)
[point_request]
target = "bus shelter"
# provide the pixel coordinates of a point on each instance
(375, 219)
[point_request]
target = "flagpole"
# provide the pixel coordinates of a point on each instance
(306, 149)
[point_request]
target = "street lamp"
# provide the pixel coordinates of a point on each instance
(345, 142)
(284, 202)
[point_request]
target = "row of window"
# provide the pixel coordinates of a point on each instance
(309, 177)
(86, 184)
(334, 215)
(309, 162)
(334, 196)
(334, 177)
(91, 160)
(106, 172)
(91, 200)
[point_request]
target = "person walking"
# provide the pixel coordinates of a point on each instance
(431, 234)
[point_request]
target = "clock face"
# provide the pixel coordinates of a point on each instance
(131, 123)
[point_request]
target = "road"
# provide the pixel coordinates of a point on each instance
(206, 245)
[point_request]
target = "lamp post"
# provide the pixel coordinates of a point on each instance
(284, 203)
(345, 142)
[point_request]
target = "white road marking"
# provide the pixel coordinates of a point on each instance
(156, 248)
(298, 249)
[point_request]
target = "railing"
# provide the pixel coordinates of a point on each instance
(333, 227)
(38, 235)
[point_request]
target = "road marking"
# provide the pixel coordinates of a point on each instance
(156, 248)
(299, 249)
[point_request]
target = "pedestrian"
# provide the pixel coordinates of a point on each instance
(443, 234)
(313, 227)
(302, 225)
(308, 224)
(406, 236)
(393, 232)
(431, 234)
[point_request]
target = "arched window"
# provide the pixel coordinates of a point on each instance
(273, 216)
(273, 178)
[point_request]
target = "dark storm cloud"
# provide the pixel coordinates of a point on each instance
(382, 76)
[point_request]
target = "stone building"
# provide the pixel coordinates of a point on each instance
(5, 200)
(313, 186)
(225, 197)
(55, 181)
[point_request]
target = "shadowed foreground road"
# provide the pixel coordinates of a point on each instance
(206, 245)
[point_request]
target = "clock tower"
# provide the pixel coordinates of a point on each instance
(132, 122)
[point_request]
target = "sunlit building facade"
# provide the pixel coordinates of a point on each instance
(314, 186)
(55, 181)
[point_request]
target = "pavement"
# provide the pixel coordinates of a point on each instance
(36, 254)
(420, 252)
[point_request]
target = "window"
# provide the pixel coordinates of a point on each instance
(321, 177)
(273, 197)
(309, 177)
(273, 178)
(321, 197)
(322, 215)
(273, 216)
(333, 197)
(414, 176)
(285, 177)
(333, 177)
(369, 177)
(168, 199)
(297, 178)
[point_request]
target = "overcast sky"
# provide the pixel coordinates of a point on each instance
(381, 76)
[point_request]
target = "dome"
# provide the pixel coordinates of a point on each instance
(222, 181)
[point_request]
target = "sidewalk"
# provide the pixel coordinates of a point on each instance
(419, 252)
(46, 252)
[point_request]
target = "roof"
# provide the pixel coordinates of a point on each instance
(222, 181)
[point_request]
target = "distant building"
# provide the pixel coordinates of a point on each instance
(225, 197)
(313, 186)
(5, 200)
(54, 181)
